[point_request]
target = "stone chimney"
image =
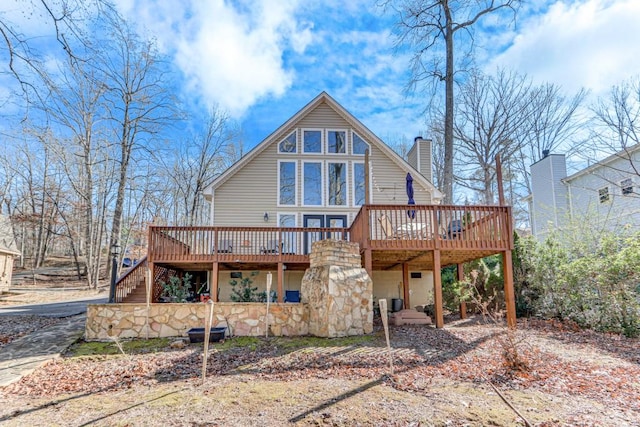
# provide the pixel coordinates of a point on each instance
(338, 291)
(419, 157)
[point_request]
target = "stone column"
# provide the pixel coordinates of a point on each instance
(338, 290)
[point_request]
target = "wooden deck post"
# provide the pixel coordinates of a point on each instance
(509, 294)
(437, 290)
(280, 282)
(214, 283)
(368, 262)
(150, 277)
(463, 304)
(405, 285)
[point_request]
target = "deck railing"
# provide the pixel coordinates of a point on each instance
(130, 280)
(433, 226)
(379, 227)
(250, 244)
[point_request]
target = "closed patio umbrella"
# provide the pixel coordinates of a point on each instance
(410, 213)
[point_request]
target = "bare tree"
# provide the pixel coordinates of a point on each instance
(75, 105)
(616, 127)
(490, 110)
(138, 104)
(431, 27)
(64, 20)
(616, 124)
(552, 121)
(198, 163)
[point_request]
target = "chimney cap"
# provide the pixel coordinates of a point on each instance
(419, 137)
(545, 153)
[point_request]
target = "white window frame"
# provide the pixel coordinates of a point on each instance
(346, 178)
(288, 153)
(604, 192)
(353, 132)
(302, 150)
(295, 185)
(626, 187)
(346, 142)
(322, 178)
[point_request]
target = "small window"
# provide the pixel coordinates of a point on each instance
(288, 145)
(312, 141)
(627, 187)
(603, 194)
(336, 142)
(359, 145)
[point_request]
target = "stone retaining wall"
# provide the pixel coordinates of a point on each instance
(337, 301)
(105, 321)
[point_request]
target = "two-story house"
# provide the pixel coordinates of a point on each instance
(310, 172)
(324, 175)
(605, 194)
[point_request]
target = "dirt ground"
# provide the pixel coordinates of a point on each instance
(441, 377)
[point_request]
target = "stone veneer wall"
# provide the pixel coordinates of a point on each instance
(105, 321)
(338, 291)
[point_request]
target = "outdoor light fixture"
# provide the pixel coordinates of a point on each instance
(115, 251)
(266, 217)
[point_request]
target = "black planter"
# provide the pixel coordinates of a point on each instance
(197, 334)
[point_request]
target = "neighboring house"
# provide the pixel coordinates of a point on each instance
(310, 173)
(605, 194)
(8, 251)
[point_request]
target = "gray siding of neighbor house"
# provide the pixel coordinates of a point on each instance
(550, 203)
(247, 194)
(620, 210)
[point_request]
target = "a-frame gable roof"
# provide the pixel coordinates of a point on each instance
(360, 128)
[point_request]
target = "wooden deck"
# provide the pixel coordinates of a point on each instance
(391, 237)
(389, 234)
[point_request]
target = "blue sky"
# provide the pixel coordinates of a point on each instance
(262, 60)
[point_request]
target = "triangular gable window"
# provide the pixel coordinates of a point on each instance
(288, 145)
(359, 144)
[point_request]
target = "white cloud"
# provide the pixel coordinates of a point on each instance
(231, 53)
(590, 43)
